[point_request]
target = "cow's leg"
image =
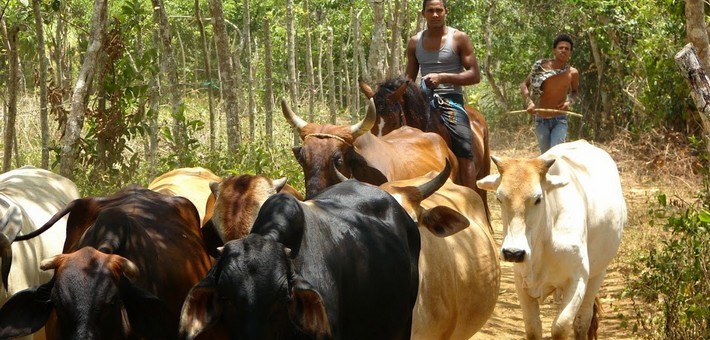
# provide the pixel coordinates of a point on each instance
(573, 294)
(584, 315)
(531, 310)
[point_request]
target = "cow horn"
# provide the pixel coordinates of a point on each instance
(359, 128)
(279, 183)
(340, 175)
(50, 263)
(6, 257)
(430, 187)
(366, 89)
(297, 122)
(129, 269)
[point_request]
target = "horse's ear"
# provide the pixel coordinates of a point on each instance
(397, 95)
(366, 89)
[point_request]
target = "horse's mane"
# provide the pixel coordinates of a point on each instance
(414, 104)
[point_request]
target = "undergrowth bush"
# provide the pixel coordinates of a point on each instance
(672, 278)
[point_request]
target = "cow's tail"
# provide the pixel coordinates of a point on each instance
(49, 223)
(594, 325)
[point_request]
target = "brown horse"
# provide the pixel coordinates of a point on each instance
(400, 102)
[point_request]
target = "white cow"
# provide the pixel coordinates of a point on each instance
(563, 214)
(459, 274)
(29, 197)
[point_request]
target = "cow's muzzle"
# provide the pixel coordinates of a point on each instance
(513, 255)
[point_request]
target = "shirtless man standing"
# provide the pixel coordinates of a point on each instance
(445, 57)
(551, 84)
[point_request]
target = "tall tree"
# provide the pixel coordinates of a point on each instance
(310, 92)
(291, 50)
(43, 102)
(396, 41)
(249, 67)
(331, 79)
(75, 121)
(13, 64)
(208, 73)
(377, 59)
(224, 56)
(169, 68)
(697, 30)
(268, 83)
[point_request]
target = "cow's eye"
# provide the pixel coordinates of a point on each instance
(538, 200)
(338, 160)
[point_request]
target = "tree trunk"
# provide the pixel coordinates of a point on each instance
(331, 79)
(75, 121)
(268, 84)
(377, 59)
(355, 23)
(154, 102)
(182, 59)
(13, 64)
(169, 68)
(489, 60)
(291, 52)
(697, 30)
(310, 92)
(43, 102)
(224, 56)
(697, 78)
(599, 63)
(321, 95)
(208, 74)
(345, 79)
(357, 45)
(396, 43)
(248, 59)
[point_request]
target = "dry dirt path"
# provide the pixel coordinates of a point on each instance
(618, 311)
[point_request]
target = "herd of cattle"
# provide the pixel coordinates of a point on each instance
(384, 245)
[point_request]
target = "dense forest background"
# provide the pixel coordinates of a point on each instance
(110, 89)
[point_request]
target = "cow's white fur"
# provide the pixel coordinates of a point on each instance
(34, 195)
(569, 238)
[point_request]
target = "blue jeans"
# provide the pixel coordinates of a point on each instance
(550, 131)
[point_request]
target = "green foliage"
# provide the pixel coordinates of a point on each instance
(674, 276)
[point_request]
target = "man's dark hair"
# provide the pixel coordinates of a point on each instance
(424, 2)
(563, 37)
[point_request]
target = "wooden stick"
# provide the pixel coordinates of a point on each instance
(550, 111)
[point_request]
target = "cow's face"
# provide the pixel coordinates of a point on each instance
(327, 147)
(239, 199)
(520, 189)
(255, 291)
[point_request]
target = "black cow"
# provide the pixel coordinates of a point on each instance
(343, 265)
(129, 261)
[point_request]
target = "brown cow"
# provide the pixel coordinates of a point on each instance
(400, 102)
(355, 152)
(191, 183)
(129, 261)
(239, 199)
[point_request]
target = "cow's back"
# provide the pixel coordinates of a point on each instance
(595, 187)
(191, 183)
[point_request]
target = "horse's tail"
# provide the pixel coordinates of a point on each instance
(594, 325)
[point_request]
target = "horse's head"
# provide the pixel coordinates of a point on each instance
(399, 102)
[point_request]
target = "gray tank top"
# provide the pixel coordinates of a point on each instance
(444, 60)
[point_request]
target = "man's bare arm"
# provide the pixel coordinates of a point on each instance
(412, 62)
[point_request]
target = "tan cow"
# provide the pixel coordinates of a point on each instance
(191, 183)
(459, 274)
(563, 214)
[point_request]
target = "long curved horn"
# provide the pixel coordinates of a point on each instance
(430, 187)
(359, 128)
(366, 89)
(297, 122)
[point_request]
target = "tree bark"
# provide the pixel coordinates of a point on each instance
(310, 78)
(357, 45)
(395, 67)
(355, 24)
(697, 78)
(13, 64)
(502, 101)
(291, 52)
(75, 121)
(331, 79)
(377, 59)
(599, 63)
(697, 30)
(227, 75)
(43, 100)
(169, 68)
(208, 74)
(268, 83)
(248, 59)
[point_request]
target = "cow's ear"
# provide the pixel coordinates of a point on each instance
(201, 309)
(555, 181)
(443, 221)
(362, 171)
(26, 312)
(306, 309)
(211, 238)
(148, 315)
(490, 182)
